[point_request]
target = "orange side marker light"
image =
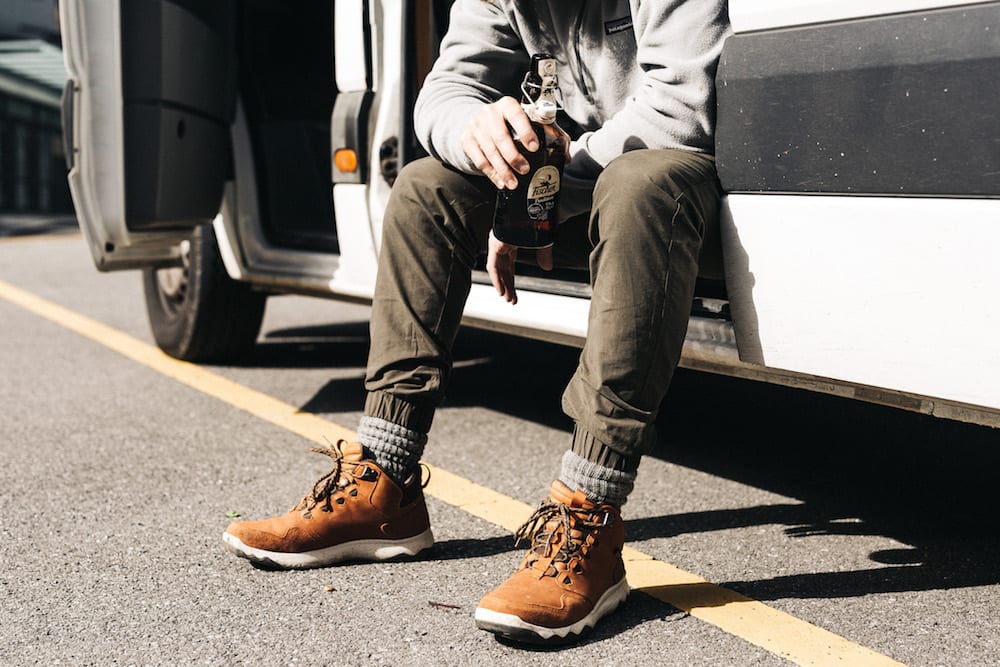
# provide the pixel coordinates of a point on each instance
(345, 160)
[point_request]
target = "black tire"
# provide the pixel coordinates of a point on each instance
(197, 312)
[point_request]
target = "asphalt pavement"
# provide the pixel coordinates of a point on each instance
(875, 527)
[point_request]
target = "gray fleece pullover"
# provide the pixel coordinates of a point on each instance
(634, 74)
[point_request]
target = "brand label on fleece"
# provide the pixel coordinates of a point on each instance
(617, 25)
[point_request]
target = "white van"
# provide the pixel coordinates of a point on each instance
(236, 149)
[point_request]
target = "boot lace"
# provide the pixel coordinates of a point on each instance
(326, 488)
(552, 521)
(338, 479)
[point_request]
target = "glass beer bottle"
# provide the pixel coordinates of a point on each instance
(526, 215)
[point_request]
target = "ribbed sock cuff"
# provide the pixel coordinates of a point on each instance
(600, 483)
(396, 449)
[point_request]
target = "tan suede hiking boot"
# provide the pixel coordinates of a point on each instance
(355, 512)
(572, 576)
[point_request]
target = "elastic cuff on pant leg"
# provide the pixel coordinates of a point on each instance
(385, 406)
(588, 447)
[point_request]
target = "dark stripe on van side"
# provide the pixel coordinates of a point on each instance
(906, 104)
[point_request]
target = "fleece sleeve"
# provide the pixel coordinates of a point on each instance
(678, 46)
(481, 59)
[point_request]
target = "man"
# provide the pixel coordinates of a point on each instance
(640, 187)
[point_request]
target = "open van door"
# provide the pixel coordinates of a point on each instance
(146, 115)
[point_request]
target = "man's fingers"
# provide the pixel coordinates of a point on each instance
(503, 141)
(519, 122)
(515, 126)
(489, 144)
(502, 278)
(502, 176)
(500, 260)
(544, 258)
(491, 270)
(484, 155)
(507, 276)
(474, 150)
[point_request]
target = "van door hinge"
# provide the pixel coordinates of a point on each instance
(388, 159)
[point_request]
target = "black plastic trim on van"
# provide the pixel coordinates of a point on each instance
(66, 103)
(905, 104)
(349, 129)
(179, 93)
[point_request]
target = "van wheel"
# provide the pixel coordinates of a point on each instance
(197, 312)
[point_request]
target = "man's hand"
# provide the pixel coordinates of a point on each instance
(500, 266)
(488, 142)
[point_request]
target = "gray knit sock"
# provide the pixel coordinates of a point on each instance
(396, 449)
(602, 485)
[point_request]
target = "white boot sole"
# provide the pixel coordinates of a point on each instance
(515, 628)
(358, 550)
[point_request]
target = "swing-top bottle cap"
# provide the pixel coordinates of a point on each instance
(543, 65)
(546, 110)
(540, 86)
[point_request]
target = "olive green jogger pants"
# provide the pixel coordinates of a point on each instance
(641, 241)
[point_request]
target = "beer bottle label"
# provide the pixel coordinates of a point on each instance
(542, 192)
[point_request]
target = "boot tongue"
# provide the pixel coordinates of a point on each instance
(353, 452)
(561, 493)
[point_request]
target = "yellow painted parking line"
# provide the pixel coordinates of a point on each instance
(776, 631)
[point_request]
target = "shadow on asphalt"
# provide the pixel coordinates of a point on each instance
(31, 225)
(856, 468)
(328, 346)
(470, 548)
(859, 469)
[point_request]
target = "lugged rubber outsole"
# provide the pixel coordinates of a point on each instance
(358, 550)
(516, 629)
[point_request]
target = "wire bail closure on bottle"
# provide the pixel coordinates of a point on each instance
(544, 96)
